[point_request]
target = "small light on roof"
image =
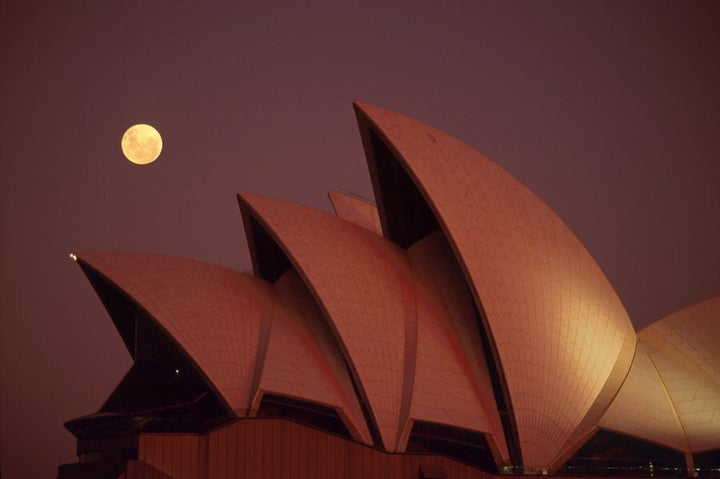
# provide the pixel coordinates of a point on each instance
(177, 371)
(74, 258)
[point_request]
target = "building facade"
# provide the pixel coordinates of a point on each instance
(457, 328)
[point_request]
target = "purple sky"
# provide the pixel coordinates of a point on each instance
(609, 111)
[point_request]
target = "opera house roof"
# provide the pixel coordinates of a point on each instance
(456, 300)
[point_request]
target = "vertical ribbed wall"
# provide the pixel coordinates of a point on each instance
(176, 455)
(277, 448)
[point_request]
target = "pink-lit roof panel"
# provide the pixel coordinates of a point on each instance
(558, 327)
(213, 313)
(452, 384)
(302, 359)
(356, 210)
(685, 348)
(363, 284)
(643, 409)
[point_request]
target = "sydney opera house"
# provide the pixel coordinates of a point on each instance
(455, 328)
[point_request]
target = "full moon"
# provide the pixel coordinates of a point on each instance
(141, 144)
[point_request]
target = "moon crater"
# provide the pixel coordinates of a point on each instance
(141, 144)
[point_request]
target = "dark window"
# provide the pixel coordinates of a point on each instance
(463, 445)
(314, 415)
(119, 307)
(162, 391)
(406, 216)
(502, 397)
(272, 262)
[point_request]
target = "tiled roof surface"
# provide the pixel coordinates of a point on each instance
(558, 325)
(452, 384)
(685, 348)
(351, 208)
(364, 285)
(643, 408)
(213, 313)
(303, 360)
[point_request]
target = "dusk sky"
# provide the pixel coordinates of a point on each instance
(608, 111)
